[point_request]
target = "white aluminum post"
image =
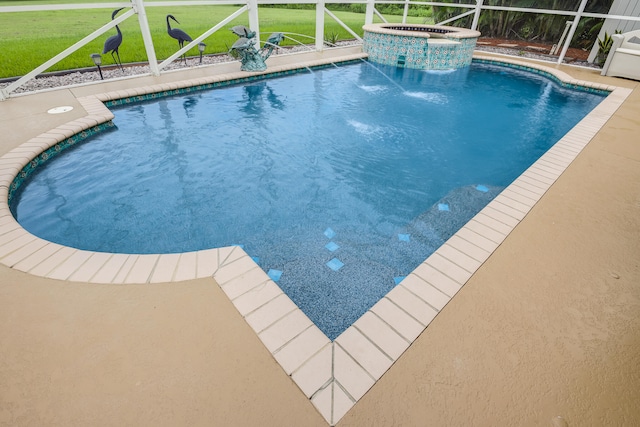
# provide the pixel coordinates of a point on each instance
(254, 23)
(320, 25)
(476, 15)
(555, 47)
(405, 12)
(455, 18)
(138, 7)
(382, 18)
(572, 31)
(368, 14)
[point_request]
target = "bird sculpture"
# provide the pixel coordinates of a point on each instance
(178, 34)
(242, 31)
(112, 44)
(274, 40)
(245, 50)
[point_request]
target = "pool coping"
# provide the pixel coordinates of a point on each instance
(334, 375)
(455, 32)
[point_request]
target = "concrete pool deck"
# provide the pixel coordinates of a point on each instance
(547, 326)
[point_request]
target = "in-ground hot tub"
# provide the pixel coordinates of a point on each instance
(425, 47)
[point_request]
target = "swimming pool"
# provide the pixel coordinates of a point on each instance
(320, 196)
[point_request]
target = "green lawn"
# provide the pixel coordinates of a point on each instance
(28, 39)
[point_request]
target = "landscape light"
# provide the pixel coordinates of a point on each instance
(201, 47)
(97, 60)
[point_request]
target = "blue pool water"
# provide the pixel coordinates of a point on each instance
(338, 182)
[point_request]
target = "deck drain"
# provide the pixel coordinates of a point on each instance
(60, 110)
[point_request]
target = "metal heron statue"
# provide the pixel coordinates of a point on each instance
(178, 34)
(113, 43)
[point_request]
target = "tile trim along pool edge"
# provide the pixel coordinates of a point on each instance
(333, 375)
